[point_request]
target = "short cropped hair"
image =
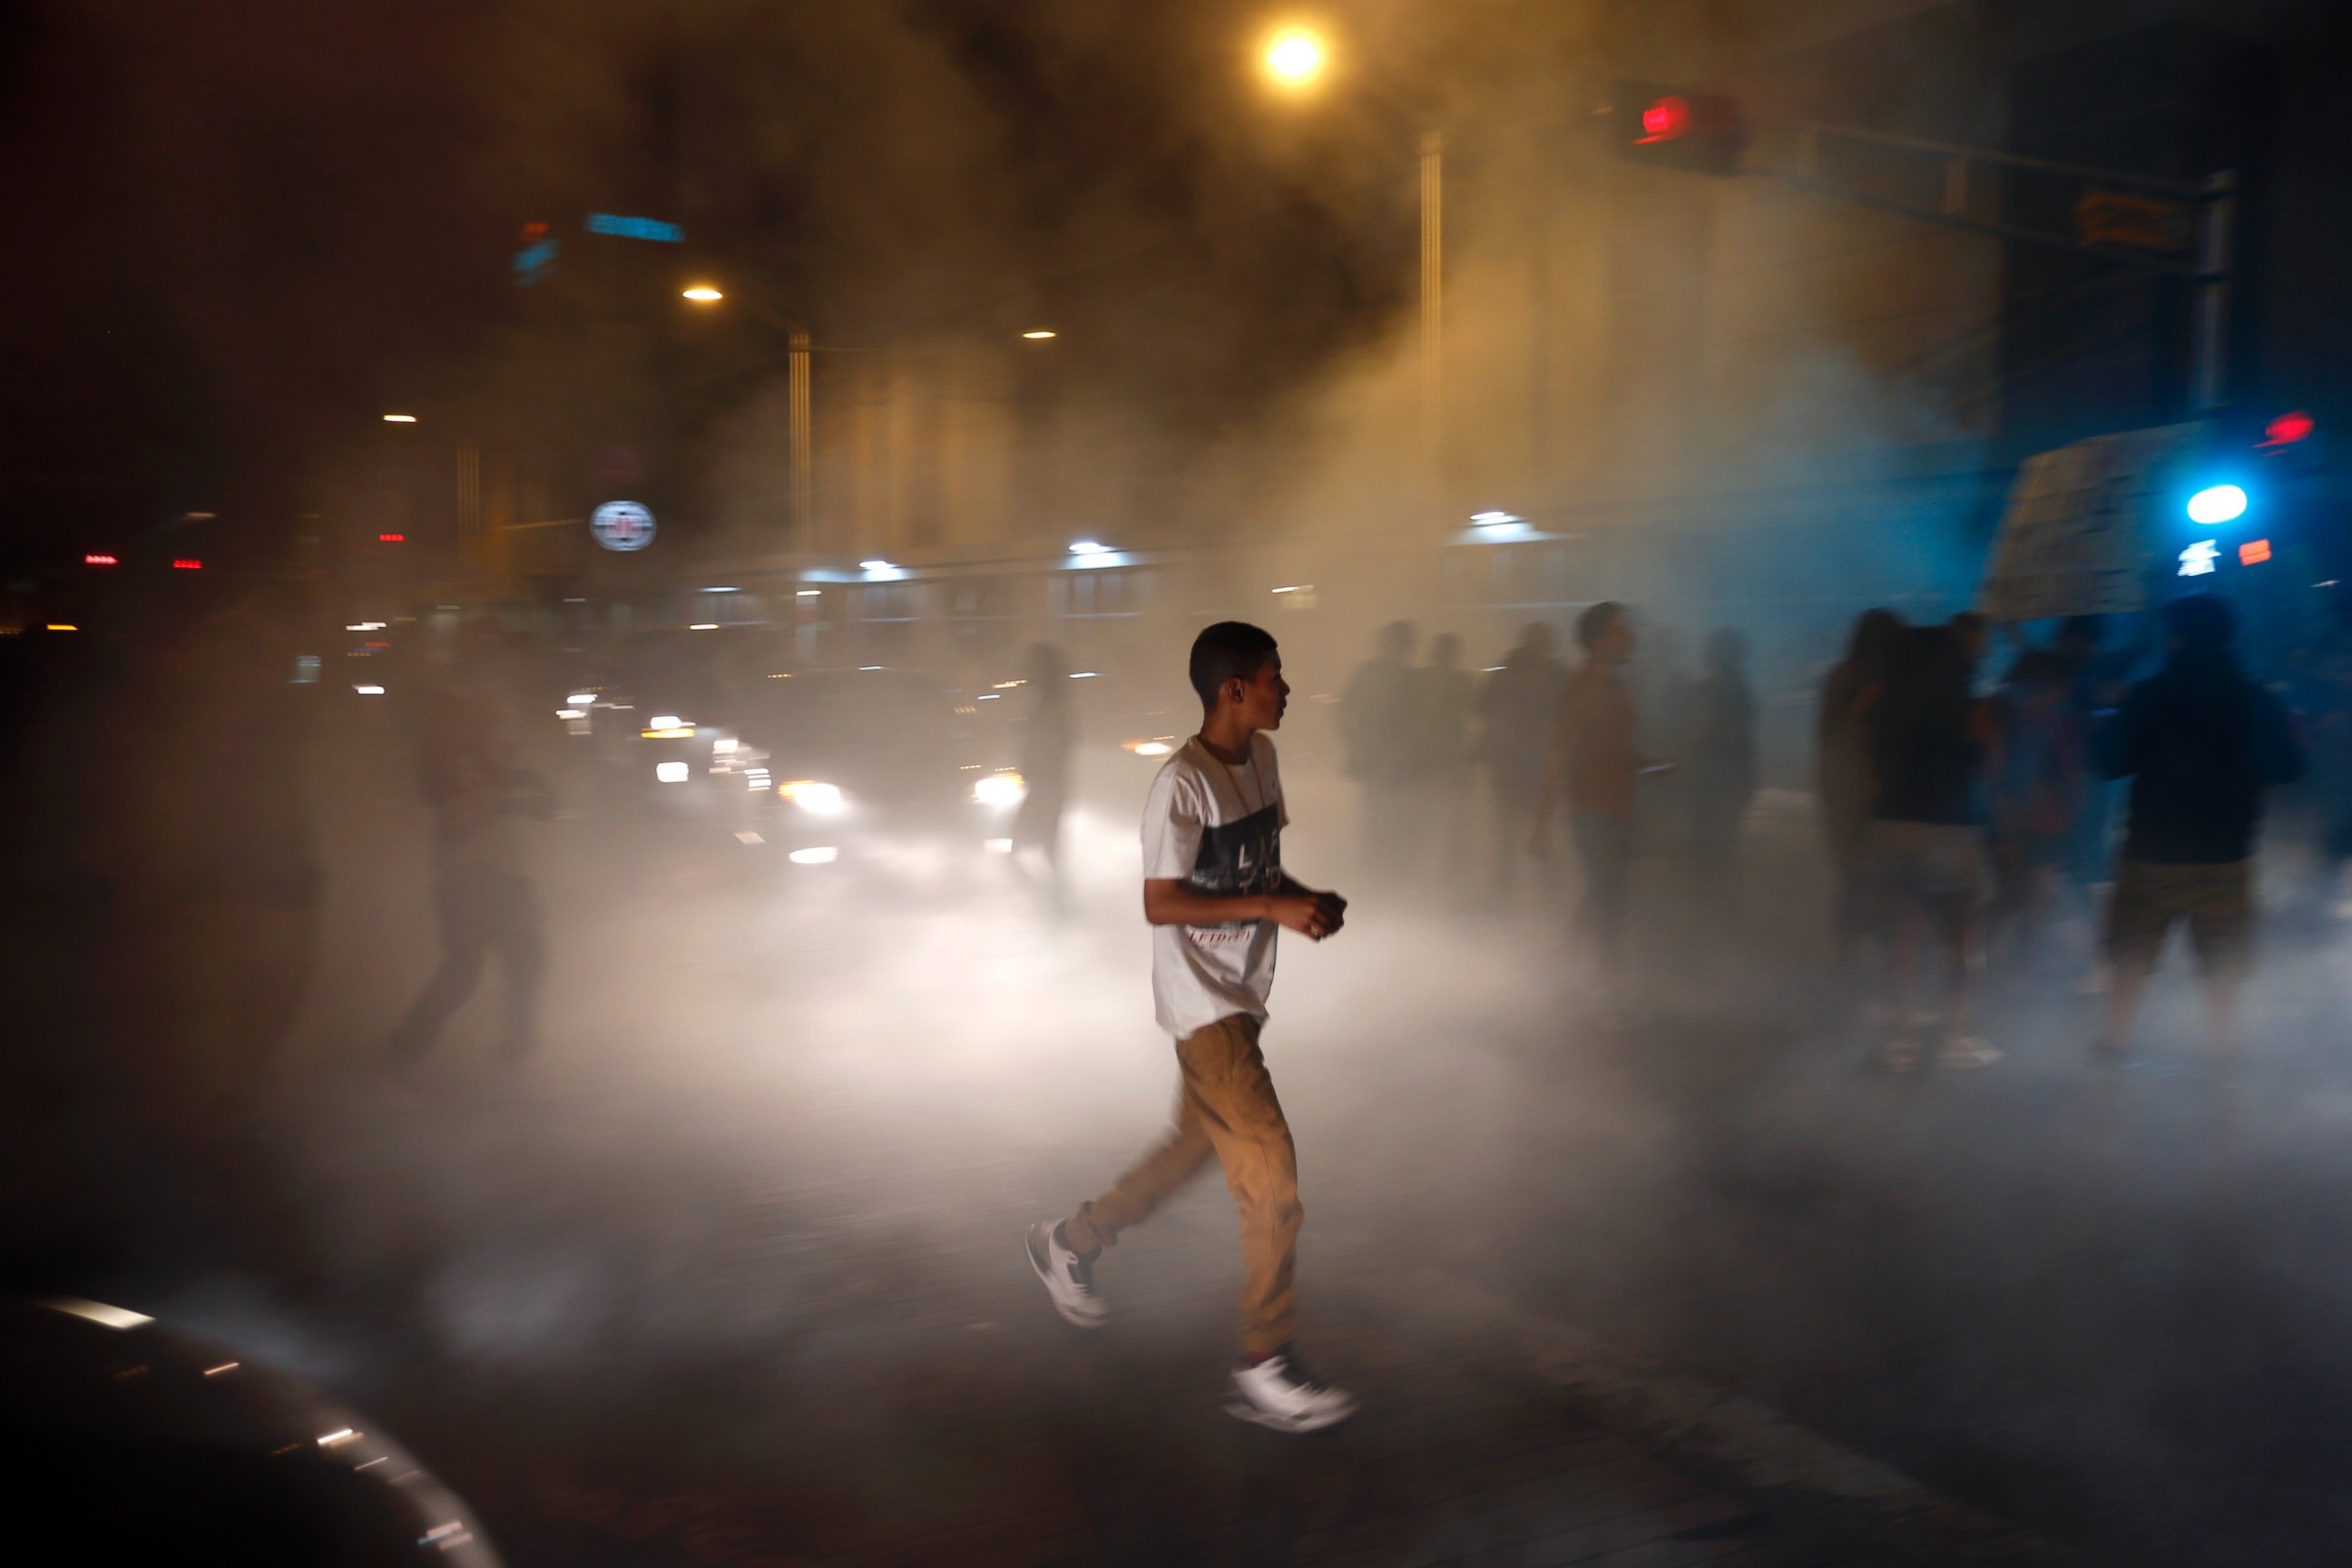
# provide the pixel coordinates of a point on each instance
(1230, 650)
(1591, 626)
(2203, 622)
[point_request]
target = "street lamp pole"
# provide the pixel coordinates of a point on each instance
(1432, 321)
(799, 438)
(802, 441)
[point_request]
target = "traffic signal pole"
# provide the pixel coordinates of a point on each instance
(2144, 222)
(2217, 216)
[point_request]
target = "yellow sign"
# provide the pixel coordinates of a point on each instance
(2140, 222)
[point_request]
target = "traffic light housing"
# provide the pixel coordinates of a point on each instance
(1702, 133)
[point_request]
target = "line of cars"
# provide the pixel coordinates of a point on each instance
(822, 766)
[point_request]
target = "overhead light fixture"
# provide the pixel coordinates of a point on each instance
(1491, 519)
(1041, 334)
(1087, 547)
(877, 564)
(400, 419)
(703, 294)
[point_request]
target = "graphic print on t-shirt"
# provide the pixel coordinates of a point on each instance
(1244, 857)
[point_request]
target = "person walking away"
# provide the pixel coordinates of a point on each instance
(2037, 796)
(482, 892)
(1929, 741)
(2096, 676)
(1596, 756)
(2199, 742)
(1215, 894)
(1043, 758)
(1516, 706)
(1841, 777)
(1375, 709)
(1443, 701)
(1720, 766)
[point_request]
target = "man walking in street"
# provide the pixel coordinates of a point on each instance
(482, 890)
(1516, 708)
(1374, 711)
(1596, 757)
(1930, 741)
(1214, 892)
(2199, 742)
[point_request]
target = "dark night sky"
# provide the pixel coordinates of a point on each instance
(244, 228)
(247, 226)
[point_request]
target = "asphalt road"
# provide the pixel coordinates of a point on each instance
(753, 1213)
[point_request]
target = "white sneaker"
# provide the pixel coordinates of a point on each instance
(1280, 1392)
(1967, 1051)
(1069, 1278)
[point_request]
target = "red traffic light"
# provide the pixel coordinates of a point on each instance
(1665, 120)
(2288, 428)
(187, 564)
(97, 560)
(1676, 127)
(391, 539)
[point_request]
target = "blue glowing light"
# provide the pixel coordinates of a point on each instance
(651, 229)
(2217, 504)
(533, 263)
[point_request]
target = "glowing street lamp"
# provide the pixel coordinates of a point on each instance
(1294, 58)
(703, 294)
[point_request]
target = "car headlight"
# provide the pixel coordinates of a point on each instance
(999, 789)
(824, 799)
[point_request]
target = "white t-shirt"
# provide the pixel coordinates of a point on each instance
(1218, 828)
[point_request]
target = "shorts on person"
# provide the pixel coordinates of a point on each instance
(2214, 900)
(1939, 860)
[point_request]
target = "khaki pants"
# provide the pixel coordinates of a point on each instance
(1225, 1107)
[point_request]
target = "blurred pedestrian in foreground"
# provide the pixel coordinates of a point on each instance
(2037, 796)
(1596, 755)
(1043, 757)
(1375, 711)
(1443, 701)
(1842, 774)
(1516, 708)
(1214, 892)
(2200, 743)
(1720, 766)
(482, 892)
(1928, 743)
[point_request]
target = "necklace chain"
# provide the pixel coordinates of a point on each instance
(1249, 762)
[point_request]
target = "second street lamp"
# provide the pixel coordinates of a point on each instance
(799, 438)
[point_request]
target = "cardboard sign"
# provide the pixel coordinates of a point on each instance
(2078, 536)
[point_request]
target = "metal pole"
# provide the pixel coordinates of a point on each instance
(803, 520)
(2217, 215)
(470, 507)
(1433, 322)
